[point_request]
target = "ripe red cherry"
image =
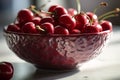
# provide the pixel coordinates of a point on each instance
(61, 30)
(47, 19)
(25, 15)
(92, 28)
(93, 17)
(6, 71)
(81, 21)
(19, 25)
(48, 27)
(67, 21)
(52, 8)
(13, 28)
(75, 31)
(106, 25)
(36, 20)
(29, 28)
(59, 10)
(72, 11)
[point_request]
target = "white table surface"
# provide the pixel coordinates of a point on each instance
(105, 67)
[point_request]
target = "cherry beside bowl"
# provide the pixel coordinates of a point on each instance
(56, 51)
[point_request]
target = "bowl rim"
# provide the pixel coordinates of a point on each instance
(53, 35)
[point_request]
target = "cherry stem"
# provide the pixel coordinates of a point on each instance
(95, 10)
(109, 16)
(109, 13)
(78, 6)
(91, 21)
(39, 28)
(102, 4)
(32, 8)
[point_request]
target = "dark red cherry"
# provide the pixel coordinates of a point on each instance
(93, 17)
(47, 19)
(29, 28)
(59, 11)
(67, 21)
(13, 28)
(52, 8)
(61, 30)
(106, 25)
(6, 71)
(75, 31)
(48, 27)
(36, 20)
(72, 11)
(81, 21)
(92, 28)
(25, 15)
(19, 25)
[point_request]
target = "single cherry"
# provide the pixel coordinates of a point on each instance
(61, 30)
(52, 8)
(67, 21)
(93, 18)
(81, 21)
(106, 25)
(47, 19)
(59, 10)
(48, 27)
(13, 28)
(29, 27)
(92, 28)
(6, 71)
(19, 25)
(36, 20)
(25, 15)
(75, 31)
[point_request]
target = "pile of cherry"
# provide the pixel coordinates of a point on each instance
(57, 20)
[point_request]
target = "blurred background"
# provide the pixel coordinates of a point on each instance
(10, 8)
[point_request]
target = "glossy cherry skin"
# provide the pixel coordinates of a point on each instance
(25, 15)
(52, 8)
(19, 25)
(61, 30)
(93, 17)
(67, 21)
(92, 28)
(29, 28)
(13, 28)
(59, 11)
(48, 27)
(81, 21)
(47, 19)
(72, 11)
(106, 25)
(75, 31)
(6, 71)
(36, 20)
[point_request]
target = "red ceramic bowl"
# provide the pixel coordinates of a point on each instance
(59, 52)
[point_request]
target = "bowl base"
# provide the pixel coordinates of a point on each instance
(39, 68)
